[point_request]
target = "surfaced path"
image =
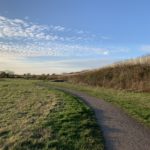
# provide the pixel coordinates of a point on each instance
(119, 130)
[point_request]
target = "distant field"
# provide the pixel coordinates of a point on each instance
(34, 116)
(137, 105)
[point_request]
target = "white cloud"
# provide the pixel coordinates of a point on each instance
(17, 28)
(48, 49)
(21, 39)
(27, 39)
(80, 32)
(58, 28)
(106, 52)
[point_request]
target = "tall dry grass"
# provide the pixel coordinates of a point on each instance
(133, 74)
(140, 60)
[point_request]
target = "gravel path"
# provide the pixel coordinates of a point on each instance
(119, 130)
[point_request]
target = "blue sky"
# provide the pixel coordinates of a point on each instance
(56, 36)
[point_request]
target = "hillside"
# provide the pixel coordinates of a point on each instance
(131, 74)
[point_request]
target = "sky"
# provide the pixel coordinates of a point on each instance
(59, 36)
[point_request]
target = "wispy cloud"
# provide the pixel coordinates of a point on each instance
(21, 41)
(34, 50)
(57, 28)
(27, 39)
(16, 28)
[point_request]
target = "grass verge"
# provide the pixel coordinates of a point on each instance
(33, 116)
(137, 105)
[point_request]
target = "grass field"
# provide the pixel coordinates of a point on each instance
(137, 105)
(35, 116)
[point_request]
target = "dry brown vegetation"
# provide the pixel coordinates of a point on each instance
(130, 75)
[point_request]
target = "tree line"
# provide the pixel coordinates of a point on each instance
(10, 74)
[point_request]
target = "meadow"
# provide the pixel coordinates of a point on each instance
(33, 115)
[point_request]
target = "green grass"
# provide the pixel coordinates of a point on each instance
(35, 116)
(137, 105)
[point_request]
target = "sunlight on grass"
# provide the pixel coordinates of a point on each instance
(33, 116)
(136, 105)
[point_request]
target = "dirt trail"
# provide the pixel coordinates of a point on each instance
(119, 130)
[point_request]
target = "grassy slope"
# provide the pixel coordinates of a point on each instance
(136, 105)
(36, 117)
(131, 75)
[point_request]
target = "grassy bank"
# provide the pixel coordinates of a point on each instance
(131, 75)
(33, 116)
(136, 105)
